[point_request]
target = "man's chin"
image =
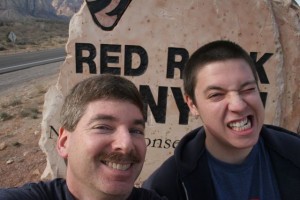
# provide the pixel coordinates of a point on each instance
(119, 189)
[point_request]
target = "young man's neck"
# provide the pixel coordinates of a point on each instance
(230, 156)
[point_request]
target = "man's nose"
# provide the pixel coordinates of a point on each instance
(236, 103)
(122, 141)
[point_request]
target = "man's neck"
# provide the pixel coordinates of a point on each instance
(87, 193)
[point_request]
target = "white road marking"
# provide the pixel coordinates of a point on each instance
(33, 63)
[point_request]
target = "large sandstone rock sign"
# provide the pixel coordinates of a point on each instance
(149, 41)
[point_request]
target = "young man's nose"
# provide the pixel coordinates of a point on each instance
(122, 141)
(236, 103)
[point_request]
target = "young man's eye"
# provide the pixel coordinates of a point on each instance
(249, 90)
(215, 96)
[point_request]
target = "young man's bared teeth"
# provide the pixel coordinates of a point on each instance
(241, 125)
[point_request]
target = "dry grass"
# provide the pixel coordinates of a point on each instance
(22, 160)
(32, 35)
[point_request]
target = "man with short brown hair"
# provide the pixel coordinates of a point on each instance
(102, 140)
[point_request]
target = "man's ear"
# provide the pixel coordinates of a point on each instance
(191, 105)
(62, 143)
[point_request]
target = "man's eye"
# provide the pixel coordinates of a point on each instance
(103, 128)
(137, 131)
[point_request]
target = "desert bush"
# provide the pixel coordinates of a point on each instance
(30, 112)
(2, 48)
(40, 89)
(5, 116)
(13, 102)
(21, 42)
(22, 47)
(16, 101)
(4, 105)
(16, 144)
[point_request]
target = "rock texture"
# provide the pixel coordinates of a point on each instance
(165, 32)
(66, 7)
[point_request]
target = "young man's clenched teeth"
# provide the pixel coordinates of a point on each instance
(241, 125)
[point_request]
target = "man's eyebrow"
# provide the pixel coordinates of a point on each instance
(114, 119)
(140, 122)
(102, 117)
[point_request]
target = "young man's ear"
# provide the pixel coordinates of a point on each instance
(191, 105)
(62, 143)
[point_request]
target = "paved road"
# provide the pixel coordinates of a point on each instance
(9, 63)
(20, 77)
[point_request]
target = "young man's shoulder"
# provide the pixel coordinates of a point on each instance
(279, 135)
(284, 147)
(164, 180)
(141, 193)
(55, 189)
(165, 173)
(282, 142)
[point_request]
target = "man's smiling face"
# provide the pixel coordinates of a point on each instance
(107, 149)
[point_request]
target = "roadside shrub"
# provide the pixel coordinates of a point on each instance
(5, 116)
(40, 89)
(16, 101)
(30, 112)
(2, 48)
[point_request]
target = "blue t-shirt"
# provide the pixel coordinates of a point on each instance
(251, 180)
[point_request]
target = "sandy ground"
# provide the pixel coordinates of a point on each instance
(21, 105)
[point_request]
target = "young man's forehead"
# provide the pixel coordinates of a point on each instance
(202, 65)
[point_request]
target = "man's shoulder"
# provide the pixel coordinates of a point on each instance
(55, 189)
(145, 194)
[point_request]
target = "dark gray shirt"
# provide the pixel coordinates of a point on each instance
(58, 190)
